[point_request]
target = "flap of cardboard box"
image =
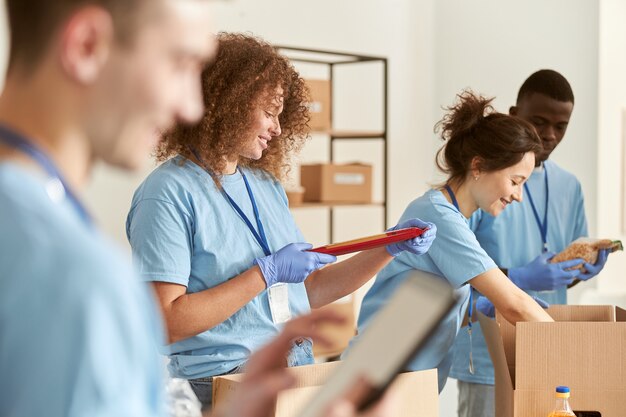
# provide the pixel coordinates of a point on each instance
(504, 379)
(416, 392)
(308, 375)
(581, 355)
(558, 313)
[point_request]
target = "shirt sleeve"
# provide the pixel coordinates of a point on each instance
(160, 233)
(455, 252)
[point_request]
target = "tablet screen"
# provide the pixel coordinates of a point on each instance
(389, 342)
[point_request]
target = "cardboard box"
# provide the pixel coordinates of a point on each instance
(339, 335)
(335, 183)
(584, 349)
(320, 105)
(417, 392)
(295, 197)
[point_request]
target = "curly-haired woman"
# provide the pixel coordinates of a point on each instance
(211, 228)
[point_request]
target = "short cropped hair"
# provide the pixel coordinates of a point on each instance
(549, 83)
(33, 24)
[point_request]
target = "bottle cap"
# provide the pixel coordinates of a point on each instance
(562, 392)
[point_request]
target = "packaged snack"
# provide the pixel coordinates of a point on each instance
(587, 249)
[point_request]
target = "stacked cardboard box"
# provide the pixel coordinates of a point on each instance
(416, 392)
(337, 183)
(320, 105)
(584, 349)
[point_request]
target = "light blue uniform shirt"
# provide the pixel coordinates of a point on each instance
(455, 256)
(78, 331)
(184, 231)
(513, 239)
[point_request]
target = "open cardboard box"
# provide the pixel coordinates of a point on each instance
(416, 392)
(584, 349)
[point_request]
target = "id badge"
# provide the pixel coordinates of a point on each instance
(279, 303)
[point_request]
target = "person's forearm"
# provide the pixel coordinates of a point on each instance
(338, 280)
(521, 307)
(514, 304)
(191, 314)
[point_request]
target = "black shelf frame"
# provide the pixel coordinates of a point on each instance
(334, 59)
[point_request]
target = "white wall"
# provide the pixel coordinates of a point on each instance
(611, 139)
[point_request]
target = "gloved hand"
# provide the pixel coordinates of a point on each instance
(593, 270)
(292, 264)
(487, 308)
(541, 275)
(418, 245)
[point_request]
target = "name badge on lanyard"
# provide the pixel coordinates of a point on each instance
(278, 295)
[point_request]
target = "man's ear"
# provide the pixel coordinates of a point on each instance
(513, 110)
(86, 41)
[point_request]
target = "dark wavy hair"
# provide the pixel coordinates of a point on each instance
(245, 71)
(472, 128)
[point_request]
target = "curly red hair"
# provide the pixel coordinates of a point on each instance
(246, 71)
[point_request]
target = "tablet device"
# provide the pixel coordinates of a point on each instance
(393, 337)
(370, 242)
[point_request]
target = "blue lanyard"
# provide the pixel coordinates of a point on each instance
(260, 236)
(543, 227)
(17, 141)
(470, 308)
(471, 297)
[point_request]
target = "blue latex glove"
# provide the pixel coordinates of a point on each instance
(541, 275)
(418, 245)
(292, 264)
(487, 308)
(593, 270)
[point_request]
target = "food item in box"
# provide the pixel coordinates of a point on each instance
(587, 249)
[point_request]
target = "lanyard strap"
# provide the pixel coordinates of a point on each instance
(452, 197)
(260, 236)
(471, 296)
(17, 141)
(543, 226)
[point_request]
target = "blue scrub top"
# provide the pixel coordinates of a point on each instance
(184, 231)
(455, 256)
(78, 330)
(513, 239)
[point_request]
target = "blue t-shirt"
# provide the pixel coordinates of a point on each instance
(78, 331)
(455, 256)
(513, 239)
(183, 230)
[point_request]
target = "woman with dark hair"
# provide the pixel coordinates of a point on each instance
(487, 156)
(212, 231)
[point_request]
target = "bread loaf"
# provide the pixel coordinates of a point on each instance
(587, 249)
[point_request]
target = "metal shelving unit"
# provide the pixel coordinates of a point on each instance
(334, 59)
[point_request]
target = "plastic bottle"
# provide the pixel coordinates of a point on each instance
(562, 408)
